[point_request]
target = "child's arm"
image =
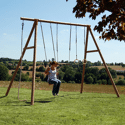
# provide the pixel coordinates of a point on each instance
(47, 71)
(57, 73)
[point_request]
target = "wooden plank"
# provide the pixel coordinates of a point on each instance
(84, 63)
(92, 51)
(107, 70)
(20, 59)
(34, 64)
(55, 22)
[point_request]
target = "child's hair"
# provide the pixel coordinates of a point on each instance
(54, 62)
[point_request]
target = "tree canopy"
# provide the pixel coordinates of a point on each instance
(111, 26)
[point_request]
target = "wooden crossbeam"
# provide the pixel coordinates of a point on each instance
(92, 51)
(55, 22)
(32, 47)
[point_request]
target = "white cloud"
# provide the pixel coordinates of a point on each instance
(4, 34)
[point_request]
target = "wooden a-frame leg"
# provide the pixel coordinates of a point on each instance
(84, 64)
(34, 64)
(20, 59)
(107, 70)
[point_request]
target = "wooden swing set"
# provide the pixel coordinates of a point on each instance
(34, 27)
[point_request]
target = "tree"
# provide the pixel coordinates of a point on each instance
(111, 26)
(3, 72)
(124, 74)
(78, 77)
(89, 80)
(26, 67)
(42, 77)
(41, 69)
(69, 74)
(61, 75)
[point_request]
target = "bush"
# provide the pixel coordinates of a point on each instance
(71, 81)
(120, 77)
(120, 82)
(109, 82)
(89, 80)
(61, 75)
(104, 81)
(42, 77)
(99, 81)
(28, 73)
(4, 72)
(38, 80)
(62, 81)
(30, 79)
(24, 77)
(26, 67)
(41, 69)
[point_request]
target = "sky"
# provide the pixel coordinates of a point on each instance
(54, 10)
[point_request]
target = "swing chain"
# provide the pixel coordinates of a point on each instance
(52, 41)
(76, 48)
(57, 40)
(43, 41)
(84, 48)
(21, 61)
(70, 42)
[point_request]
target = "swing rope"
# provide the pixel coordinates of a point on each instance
(43, 41)
(84, 45)
(70, 42)
(21, 60)
(52, 41)
(76, 48)
(57, 40)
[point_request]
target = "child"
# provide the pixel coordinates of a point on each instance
(52, 77)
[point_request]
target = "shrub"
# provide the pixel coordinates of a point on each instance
(24, 77)
(120, 77)
(109, 82)
(99, 81)
(62, 81)
(89, 80)
(30, 79)
(28, 73)
(4, 72)
(71, 81)
(26, 67)
(42, 77)
(41, 69)
(120, 82)
(104, 81)
(38, 80)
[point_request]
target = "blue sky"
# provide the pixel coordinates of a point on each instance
(56, 10)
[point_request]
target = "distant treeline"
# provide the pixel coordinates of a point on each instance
(71, 73)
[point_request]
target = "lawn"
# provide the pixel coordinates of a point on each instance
(69, 108)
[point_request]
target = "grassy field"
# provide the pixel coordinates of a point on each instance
(67, 87)
(113, 67)
(69, 108)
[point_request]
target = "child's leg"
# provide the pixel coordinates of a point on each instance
(54, 82)
(58, 86)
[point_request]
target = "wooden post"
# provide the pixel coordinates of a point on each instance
(20, 59)
(107, 70)
(34, 64)
(84, 64)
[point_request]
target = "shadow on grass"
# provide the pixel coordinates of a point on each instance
(39, 102)
(46, 100)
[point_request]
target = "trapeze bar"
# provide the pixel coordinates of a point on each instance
(92, 51)
(56, 22)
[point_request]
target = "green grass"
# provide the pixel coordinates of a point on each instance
(69, 108)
